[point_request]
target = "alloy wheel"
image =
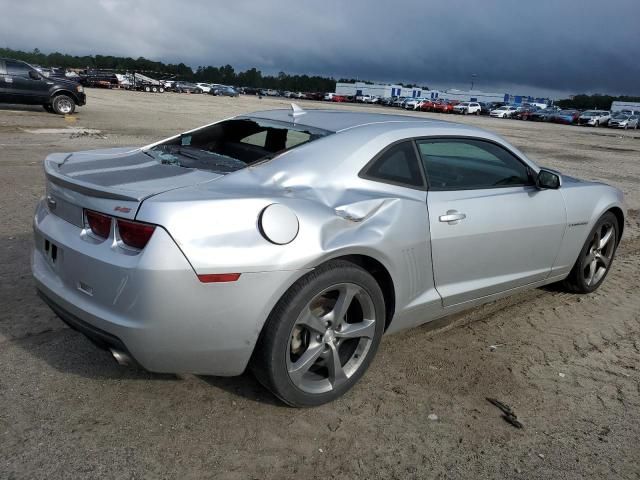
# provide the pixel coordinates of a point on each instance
(330, 338)
(64, 105)
(599, 255)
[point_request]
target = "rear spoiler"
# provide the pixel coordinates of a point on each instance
(50, 170)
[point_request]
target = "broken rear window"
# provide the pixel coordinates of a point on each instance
(233, 144)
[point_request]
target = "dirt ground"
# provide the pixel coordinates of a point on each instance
(569, 365)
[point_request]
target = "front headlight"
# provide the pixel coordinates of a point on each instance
(80, 88)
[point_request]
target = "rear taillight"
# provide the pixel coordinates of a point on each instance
(134, 234)
(99, 224)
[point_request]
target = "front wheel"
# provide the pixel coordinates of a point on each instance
(63, 105)
(321, 336)
(596, 256)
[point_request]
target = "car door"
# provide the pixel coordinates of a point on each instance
(491, 228)
(4, 83)
(28, 86)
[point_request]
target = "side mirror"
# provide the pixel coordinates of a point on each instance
(547, 179)
(33, 75)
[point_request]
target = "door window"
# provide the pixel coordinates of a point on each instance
(17, 69)
(467, 164)
(397, 165)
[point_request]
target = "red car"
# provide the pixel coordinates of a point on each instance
(445, 106)
(339, 98)
(427, 105)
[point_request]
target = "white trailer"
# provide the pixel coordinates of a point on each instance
(137, 81)
(633, 107)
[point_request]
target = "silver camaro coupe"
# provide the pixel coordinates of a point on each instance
(290, 241)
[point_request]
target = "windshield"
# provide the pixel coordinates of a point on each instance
(590, 113)
(621, 116)
(233, 144)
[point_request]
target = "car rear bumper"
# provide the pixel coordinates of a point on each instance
(151, 305)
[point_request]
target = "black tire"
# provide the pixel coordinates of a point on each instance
(161, 90)
(271, 356)
(48, 108)
(63, 105)
(147, 89)
(576, 282)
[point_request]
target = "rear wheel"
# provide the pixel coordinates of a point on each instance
(596, 256)
(147, 89)
(63, 105)
(321, 336)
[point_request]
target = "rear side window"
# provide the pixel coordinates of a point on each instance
(466, 164)
(397, 165)
(18, 69)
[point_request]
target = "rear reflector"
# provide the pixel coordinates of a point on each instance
(99, 224)
(218, 277)
(134, 234)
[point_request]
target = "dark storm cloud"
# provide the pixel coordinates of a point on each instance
(553, 45)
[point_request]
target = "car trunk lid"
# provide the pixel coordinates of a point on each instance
(114, 181)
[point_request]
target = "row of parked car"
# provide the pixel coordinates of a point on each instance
(530, 111)
(210, 88)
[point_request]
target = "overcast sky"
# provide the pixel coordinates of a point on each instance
(519, 46)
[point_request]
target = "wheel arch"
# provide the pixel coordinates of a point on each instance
(617, 211)
(63, 91)
(380, 273)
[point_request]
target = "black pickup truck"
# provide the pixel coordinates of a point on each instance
(21, 83)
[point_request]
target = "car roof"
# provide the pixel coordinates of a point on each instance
(340, 120)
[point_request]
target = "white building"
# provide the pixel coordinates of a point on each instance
(385, 90)
(379, 89)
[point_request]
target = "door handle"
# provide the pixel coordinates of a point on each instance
(452, 217)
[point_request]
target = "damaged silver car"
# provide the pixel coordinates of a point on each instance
(290, 241)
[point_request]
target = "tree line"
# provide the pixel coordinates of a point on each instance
(595, 102)
(225, 74)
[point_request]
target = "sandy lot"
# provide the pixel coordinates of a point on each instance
(569, 365)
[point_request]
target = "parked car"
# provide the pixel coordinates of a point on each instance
(506, 111)
(339, 98)
(329, 97)
(21, 83)
(524, 112)
(363, 98)
(186, 87)
(413, 103)
(543, 115)
(224, 91)
(567, 116)
(427, 105)
(594, 118)
(486, 108)
(399, 101)
(467, 108)
(205, 87)
(445, 106)
(136, 263)
(623, 120)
